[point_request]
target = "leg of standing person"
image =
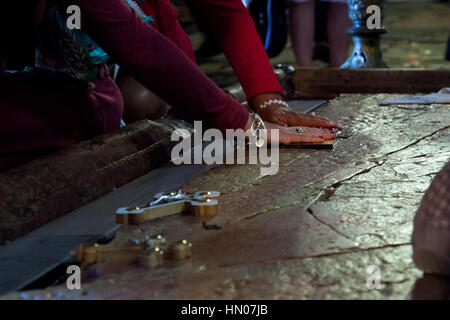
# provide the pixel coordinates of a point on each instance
(302, 31)
(338, 39)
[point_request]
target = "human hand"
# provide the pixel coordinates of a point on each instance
(287, 135)
(279, 113)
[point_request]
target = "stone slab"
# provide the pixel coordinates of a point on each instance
(312, 230)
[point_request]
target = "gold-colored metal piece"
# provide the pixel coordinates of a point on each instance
(152, 259)
(181, 250)
(107, 253)
(145, 255)
(133, 208)
(203, 203)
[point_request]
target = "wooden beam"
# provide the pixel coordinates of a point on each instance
(44, 189)
(329, 83)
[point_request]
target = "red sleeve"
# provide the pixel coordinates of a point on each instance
(158, 64)
(233, 26)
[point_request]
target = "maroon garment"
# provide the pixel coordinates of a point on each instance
(230, 22)
(32, 120)
(233, 26)
(165, 20)
(159, 64)
(44, 118)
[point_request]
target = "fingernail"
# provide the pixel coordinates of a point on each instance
(321, 137)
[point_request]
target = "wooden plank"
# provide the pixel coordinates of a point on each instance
(329, 83)
(46, 188)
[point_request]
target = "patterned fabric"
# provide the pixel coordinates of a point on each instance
(63, 54)
(97, 54)
(60, 49)
(135, 5)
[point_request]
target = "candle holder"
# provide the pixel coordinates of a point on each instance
(366, 42)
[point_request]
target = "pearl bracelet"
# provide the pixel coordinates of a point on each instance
(274, 101)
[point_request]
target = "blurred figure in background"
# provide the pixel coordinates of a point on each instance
(270, 20)
(269, 17)
(447, 52)
(302, 22)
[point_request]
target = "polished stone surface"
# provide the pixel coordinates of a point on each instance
(312, 231)
(309, 232)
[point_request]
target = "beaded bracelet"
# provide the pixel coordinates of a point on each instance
(274, 101)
